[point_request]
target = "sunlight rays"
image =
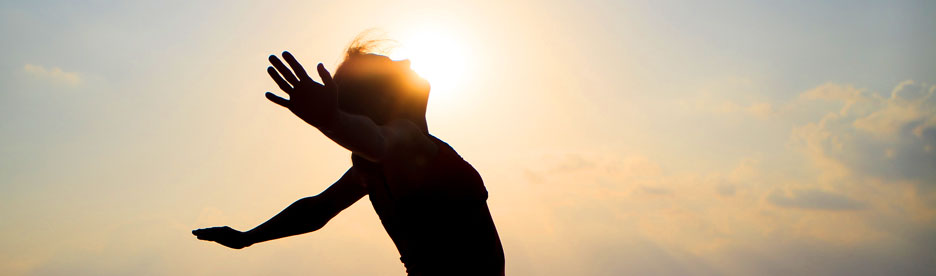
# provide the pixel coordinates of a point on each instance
(436, 56)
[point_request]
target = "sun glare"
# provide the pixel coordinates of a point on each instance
(436, 56)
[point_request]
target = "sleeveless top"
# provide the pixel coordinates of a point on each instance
(439, 219)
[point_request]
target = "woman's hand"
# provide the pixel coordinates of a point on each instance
(314, 103)
(224, 235)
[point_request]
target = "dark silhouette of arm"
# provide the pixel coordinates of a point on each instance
(303, 216)
(311, 213)
(317, 105)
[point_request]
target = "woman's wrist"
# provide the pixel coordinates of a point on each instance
(248, 238)
(331, 121)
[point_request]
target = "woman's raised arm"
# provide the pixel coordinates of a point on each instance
(317, 105)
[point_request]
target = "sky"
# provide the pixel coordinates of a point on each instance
(614, 137)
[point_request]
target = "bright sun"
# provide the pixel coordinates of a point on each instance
(436, 56)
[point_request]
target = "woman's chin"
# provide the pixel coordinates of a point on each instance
(424, 84)
(421, 84)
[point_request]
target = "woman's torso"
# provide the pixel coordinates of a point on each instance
(437, 218)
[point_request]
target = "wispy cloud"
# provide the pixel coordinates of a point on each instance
(54, 74)
(760, 110)
(814, 199)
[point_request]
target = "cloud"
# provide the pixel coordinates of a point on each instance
(909, 105)
(729, 96)
(842, 194)
(738, 221)
(814, 199)
(847, 94)
(54, 74)
(872, 136)
(725, 189)
(833, 92)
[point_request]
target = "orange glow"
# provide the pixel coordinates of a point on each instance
(435, 55)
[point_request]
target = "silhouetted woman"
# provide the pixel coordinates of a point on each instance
(431, 202)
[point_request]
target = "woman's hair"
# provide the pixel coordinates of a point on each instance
(369, 42)
(358, 94)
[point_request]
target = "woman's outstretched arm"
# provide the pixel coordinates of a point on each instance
(303, 216)
(317, 105)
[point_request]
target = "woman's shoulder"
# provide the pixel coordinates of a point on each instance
(361, 162)
(406, 139)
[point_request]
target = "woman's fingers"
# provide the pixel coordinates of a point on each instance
(277, 100)
(288, 75)
(297, 68)
(288, 82)
(326, 77)
(199, 233)
(207, 234)
(279, 80)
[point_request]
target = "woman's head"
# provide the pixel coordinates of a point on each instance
(373, 85)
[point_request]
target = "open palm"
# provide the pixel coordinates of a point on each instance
(313, 102)
(224, 235)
